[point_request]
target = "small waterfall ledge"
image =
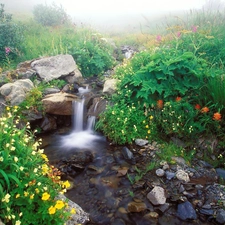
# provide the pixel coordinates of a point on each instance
(81, 137)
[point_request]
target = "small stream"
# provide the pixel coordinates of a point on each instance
(101, 185)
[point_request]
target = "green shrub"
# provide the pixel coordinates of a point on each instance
(28, 184)
(50, 15)
(11, 37)
(122, 123)
(92, 54)
(167, 74)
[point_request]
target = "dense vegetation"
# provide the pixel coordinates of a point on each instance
(173, 88)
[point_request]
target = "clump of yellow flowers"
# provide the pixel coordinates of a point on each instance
(29, 184)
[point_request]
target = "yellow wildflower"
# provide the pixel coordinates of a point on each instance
(59, 204)
(44, 157)
(51, 210)
(73, 211)
(66, 184)
(45, 196)
(18, 195)
(6, 198)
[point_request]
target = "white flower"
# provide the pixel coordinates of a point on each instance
(16, 159)
(1, 159)
(17, 222)
(6, 198)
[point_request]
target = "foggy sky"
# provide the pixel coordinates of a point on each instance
(112, 12)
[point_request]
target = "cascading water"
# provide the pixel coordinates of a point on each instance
(80, 137)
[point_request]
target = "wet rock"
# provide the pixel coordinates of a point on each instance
(186, 211)
(128, 155)
(157, 196)
(164, 207)
(59, 103)
(170, 175)
(151, 215)
(182, 175)
(48, 123)
(220, 217)
(136, 206)
(160, 172)
(141, 142)
(118, 221)
(220, 172)
(208, 212)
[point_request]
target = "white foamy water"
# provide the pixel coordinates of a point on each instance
(80, 137)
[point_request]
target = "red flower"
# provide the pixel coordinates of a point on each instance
(197, 107)
(178, 99)
(217, 116)
(160, 104)
(205, 110)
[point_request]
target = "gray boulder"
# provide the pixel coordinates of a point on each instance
(15, 93)
(110, 86)
(54, 67)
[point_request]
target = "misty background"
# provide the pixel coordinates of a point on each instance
(115, 15)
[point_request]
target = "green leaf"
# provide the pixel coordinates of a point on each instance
(15, 179)
(5, 177)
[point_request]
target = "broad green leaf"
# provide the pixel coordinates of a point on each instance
(5, 176)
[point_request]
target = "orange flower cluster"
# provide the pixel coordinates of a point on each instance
(197, 107)
(205, 109)
(217, 116)
(160, 104)
(178, 99)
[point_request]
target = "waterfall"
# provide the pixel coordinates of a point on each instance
(78, 108)
(80, 137)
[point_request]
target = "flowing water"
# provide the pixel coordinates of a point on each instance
(97, 187)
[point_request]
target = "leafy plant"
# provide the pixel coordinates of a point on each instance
(166, 76)
(92, 54)
(141, 173)
(122, 123)
(169, 150)
(11, 37)
(29, 186)
(33, 100)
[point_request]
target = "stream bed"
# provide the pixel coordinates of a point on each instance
(113, 190)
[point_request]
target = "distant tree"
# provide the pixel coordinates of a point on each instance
(50, 15)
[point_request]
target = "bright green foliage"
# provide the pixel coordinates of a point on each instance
(28, 184)
(166, 76)
(33, 100)
(10, 38)
(123, 123)
(92, 54)
(182, 119)
(169, 150)
(50, 15)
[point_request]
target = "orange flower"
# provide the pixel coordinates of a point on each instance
(205, 110)
(217, 116)
(160, 104)
(178, 99)
(197, 107)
